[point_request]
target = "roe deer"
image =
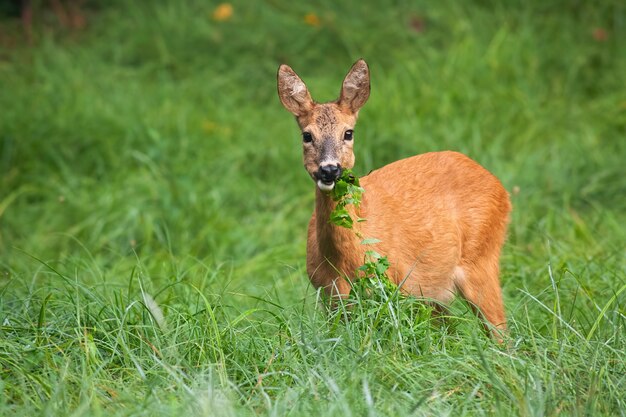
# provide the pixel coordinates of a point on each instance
(440, 217)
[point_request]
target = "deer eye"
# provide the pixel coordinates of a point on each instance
(307, 137)
(348, 135)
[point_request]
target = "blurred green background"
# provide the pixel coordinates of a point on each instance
(147, 145)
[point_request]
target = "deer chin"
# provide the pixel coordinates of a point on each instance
(325, 187)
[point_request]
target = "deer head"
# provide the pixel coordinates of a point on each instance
(327, 128)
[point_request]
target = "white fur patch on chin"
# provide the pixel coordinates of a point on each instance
(325, 187)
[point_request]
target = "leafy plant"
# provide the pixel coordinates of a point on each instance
(375, 265)
(347, 190)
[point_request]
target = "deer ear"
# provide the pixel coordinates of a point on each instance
(293, 92)
(356, 87)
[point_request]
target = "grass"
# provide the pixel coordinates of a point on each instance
(153, 210)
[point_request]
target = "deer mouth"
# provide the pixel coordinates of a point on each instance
(327, 174)
(325, 186)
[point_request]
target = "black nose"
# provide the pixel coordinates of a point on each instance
(329, 173)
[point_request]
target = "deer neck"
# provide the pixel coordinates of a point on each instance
(337, 244)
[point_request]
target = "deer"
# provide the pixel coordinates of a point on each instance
(439, 217)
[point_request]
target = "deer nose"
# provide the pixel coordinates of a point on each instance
(329, 173)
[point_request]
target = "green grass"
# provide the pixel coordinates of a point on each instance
(153, 210)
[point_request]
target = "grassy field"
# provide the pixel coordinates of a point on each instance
(153, 209)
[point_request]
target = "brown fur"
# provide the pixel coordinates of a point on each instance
(440, 217)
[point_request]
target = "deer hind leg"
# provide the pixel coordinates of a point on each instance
(479, 284)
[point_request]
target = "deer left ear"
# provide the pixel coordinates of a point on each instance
(356, 87)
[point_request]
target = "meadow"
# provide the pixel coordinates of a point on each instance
(153, 209)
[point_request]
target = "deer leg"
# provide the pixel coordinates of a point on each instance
(479, 284)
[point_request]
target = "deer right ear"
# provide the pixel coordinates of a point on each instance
(293, 92)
